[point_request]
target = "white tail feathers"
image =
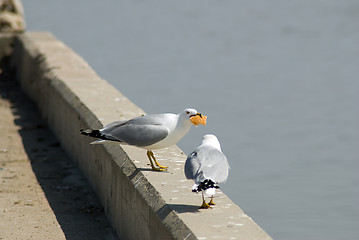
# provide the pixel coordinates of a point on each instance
(209, 192)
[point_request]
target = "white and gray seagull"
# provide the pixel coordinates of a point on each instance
(207, 166)
(153, 131)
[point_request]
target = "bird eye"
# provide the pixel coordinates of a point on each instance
(188, 112)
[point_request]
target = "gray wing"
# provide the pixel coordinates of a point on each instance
(140, 131)
(192, 165)
(213, 164)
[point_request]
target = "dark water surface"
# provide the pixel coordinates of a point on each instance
(277, 79)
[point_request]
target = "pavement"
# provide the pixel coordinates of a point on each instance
(43, 195)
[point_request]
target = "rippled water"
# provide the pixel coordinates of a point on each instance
(278, 80)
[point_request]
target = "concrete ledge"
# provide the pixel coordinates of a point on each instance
(140, 204)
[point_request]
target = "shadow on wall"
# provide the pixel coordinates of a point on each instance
(74, 203)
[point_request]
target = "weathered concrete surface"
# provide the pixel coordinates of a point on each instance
(6, 41)
(141, 204)
(42, 193)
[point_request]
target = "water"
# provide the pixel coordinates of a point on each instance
(278, 80)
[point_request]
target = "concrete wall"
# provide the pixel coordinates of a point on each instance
(140, 204)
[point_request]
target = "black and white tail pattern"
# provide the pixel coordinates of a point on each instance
(206, 184)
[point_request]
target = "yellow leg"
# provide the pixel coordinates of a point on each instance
(211, 202)
(154, 159)
(150, 156)
(204, 204)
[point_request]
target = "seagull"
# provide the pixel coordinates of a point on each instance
(153, 131)
(207, 166)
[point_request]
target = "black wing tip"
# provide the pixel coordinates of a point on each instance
(85, 131)
(91, 133)
(96, 134)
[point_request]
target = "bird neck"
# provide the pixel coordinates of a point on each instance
(211, 143)
(180, 130)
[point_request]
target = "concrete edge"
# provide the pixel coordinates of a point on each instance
(70, 97)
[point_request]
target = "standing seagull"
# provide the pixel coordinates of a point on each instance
(207, 166)
(150, 132)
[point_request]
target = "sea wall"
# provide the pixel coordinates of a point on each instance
(140, 204)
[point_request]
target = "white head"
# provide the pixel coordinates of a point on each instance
(211, 140)
(190, 114)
